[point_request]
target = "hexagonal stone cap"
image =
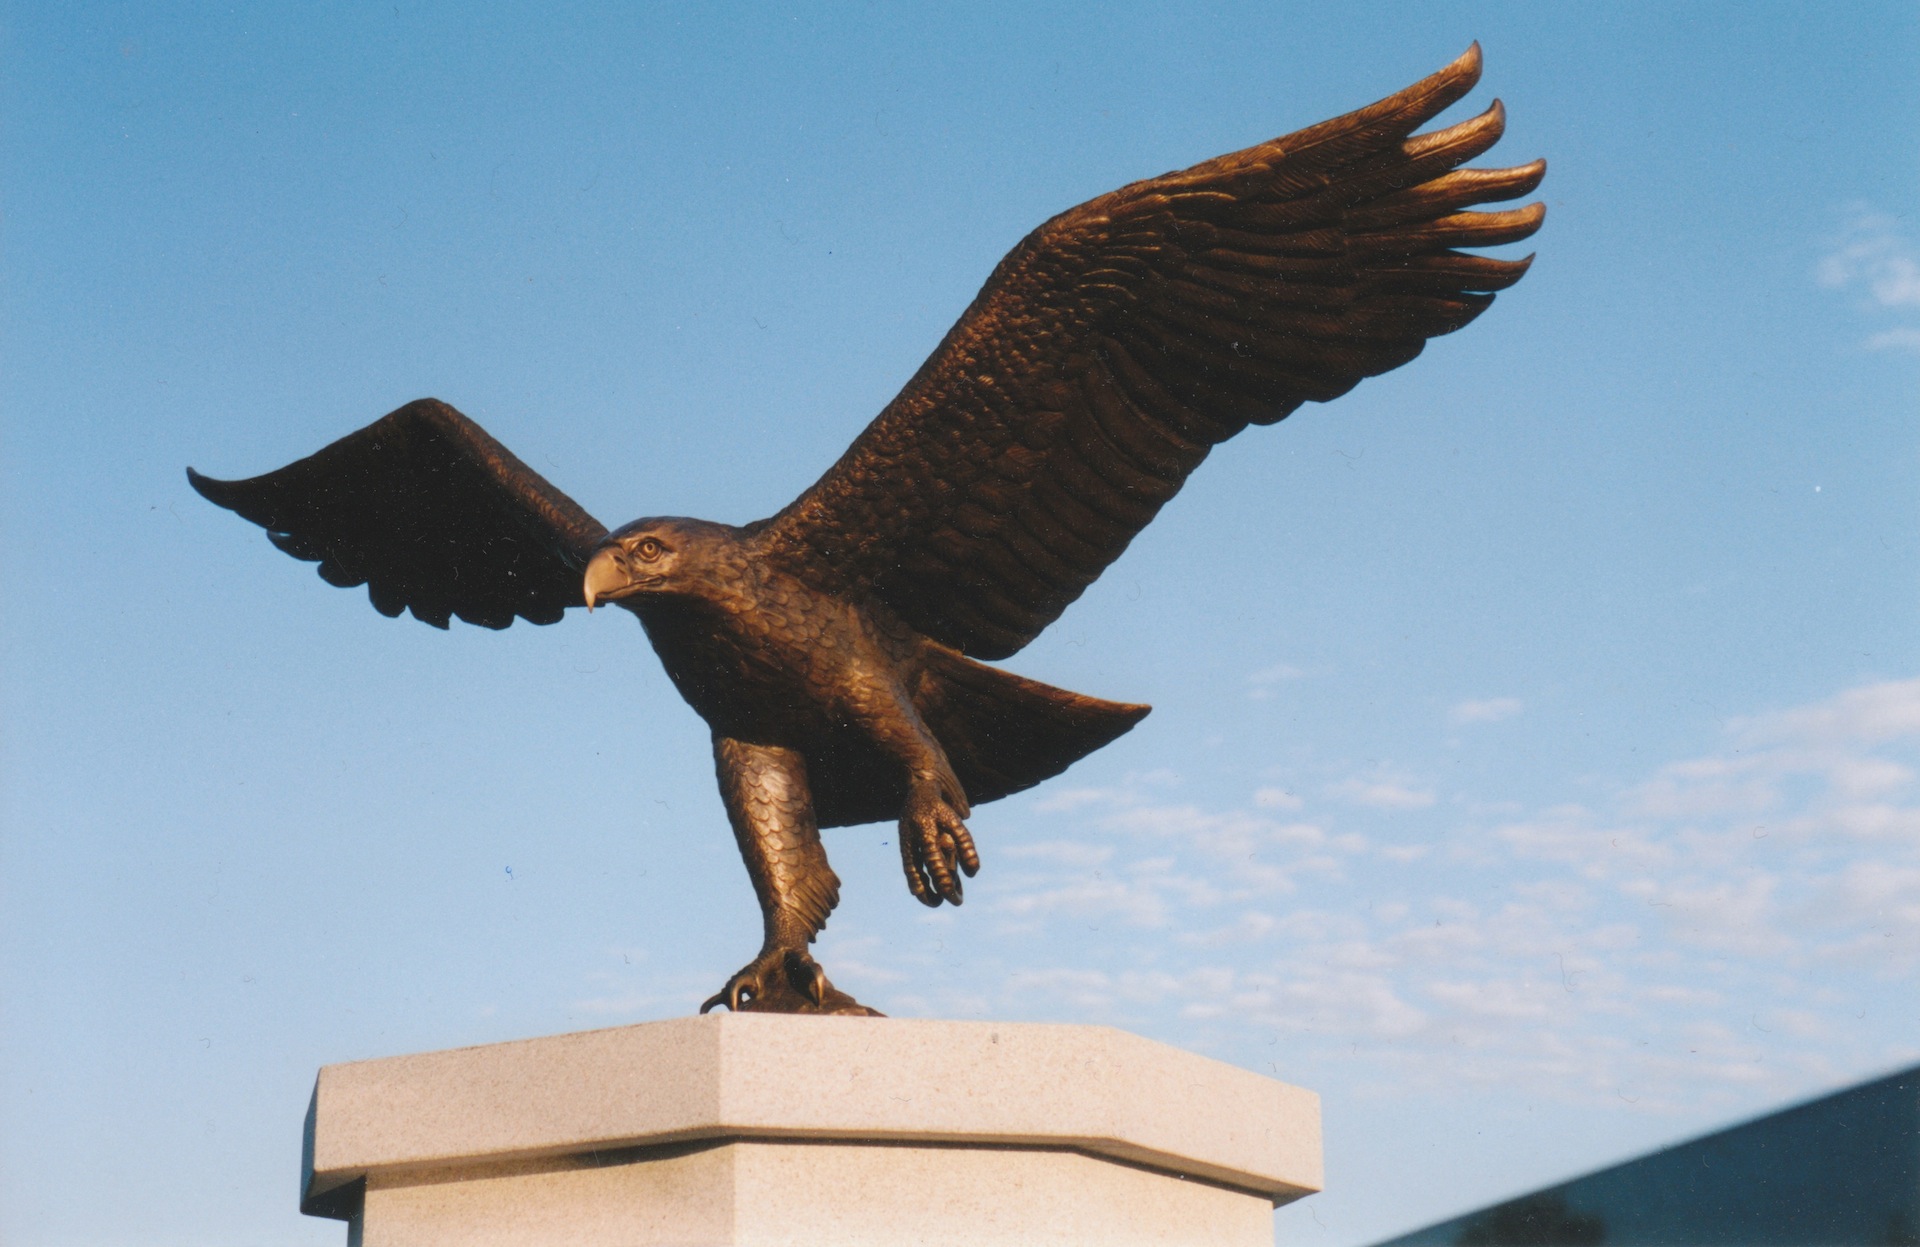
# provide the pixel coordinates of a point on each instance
(725, 1077)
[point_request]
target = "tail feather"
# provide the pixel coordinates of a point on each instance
(1003, 732)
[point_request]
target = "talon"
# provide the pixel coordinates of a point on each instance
(741, 990)
(935, 847)
(784, 980)
(805, 973)
(969, 856)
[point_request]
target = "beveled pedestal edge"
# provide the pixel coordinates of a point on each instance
(728, 1076)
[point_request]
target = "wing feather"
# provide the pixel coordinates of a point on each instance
(431, 514)
(1117, 344)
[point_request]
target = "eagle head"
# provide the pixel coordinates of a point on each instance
(657, 556)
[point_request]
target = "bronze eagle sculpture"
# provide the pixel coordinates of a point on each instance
(835, 648)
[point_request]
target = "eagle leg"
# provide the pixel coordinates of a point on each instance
(771, 809)
(936, 848)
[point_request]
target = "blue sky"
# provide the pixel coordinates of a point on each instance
(1533, 769)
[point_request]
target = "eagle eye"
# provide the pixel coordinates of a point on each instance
(649, 549)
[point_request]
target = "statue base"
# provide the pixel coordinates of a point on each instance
(757, 1129)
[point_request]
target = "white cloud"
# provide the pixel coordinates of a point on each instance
(1492, 710)
(1872, 254)
(1799, 1023)
(629, 986)
(1703, 789)
(1745, 919)
(1069, 799)
(1236, 835)
(1072, 853)
(1381, 794)
(1134, 902)
(1901, 339)
(1097, 991)
(1503, 1001)
(1866, 822)
(1867, 777)
(1733, 916)
(1869, 714)
(1261, 683)
(1248, 928)
(1276, 799)
(1881, 889)
(1327, 1002)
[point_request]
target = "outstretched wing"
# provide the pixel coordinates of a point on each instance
(431, 514)
(1122, 340)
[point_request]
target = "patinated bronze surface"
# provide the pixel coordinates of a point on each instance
(833, 648)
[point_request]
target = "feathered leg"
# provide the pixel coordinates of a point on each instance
(771, 809)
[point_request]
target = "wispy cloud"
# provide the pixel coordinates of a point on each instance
(1276, 799)
(628, 985)
(1732, 919)
(1381, 794)
(1261, 684)
(1492, 710)
(1870, 714)
(1901, 339)
(1873, 255)
(1872, 252)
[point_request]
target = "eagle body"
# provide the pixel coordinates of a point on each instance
(760, 655)
(835, 648)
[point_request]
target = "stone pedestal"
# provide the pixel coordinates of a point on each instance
(754, 1129)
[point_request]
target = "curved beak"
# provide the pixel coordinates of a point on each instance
(607, 576)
